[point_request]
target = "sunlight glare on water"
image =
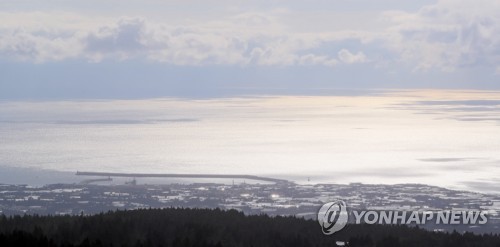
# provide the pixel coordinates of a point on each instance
(445, 138)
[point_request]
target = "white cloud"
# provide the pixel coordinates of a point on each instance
(243, 40)
(347, 57)
(448, 34)
(443, 36)
(311, 59)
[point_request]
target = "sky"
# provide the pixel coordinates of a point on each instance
(61, 49)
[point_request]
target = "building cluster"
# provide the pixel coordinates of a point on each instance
(272, 199)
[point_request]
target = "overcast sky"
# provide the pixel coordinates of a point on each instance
(153, 48)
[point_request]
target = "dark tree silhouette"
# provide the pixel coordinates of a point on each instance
(178, 227)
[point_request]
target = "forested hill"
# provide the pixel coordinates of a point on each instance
(206, 227)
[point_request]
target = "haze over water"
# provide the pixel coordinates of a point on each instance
(444, 138)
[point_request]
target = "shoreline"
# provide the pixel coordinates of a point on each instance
(43, 177)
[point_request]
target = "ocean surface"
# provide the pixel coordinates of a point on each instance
(444, 138)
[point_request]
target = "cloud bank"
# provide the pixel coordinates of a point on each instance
(444, 36)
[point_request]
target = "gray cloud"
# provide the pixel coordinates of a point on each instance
(446, 159)
(106, 121)
(461, 102)
(476, 118)
(125, 37)
(126, 121)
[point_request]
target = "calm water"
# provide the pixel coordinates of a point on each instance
(449, 139)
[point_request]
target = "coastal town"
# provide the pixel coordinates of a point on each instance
(300, 200)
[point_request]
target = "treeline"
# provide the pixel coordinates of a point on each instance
(176, 227)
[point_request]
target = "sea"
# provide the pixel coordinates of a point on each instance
(448, 138)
